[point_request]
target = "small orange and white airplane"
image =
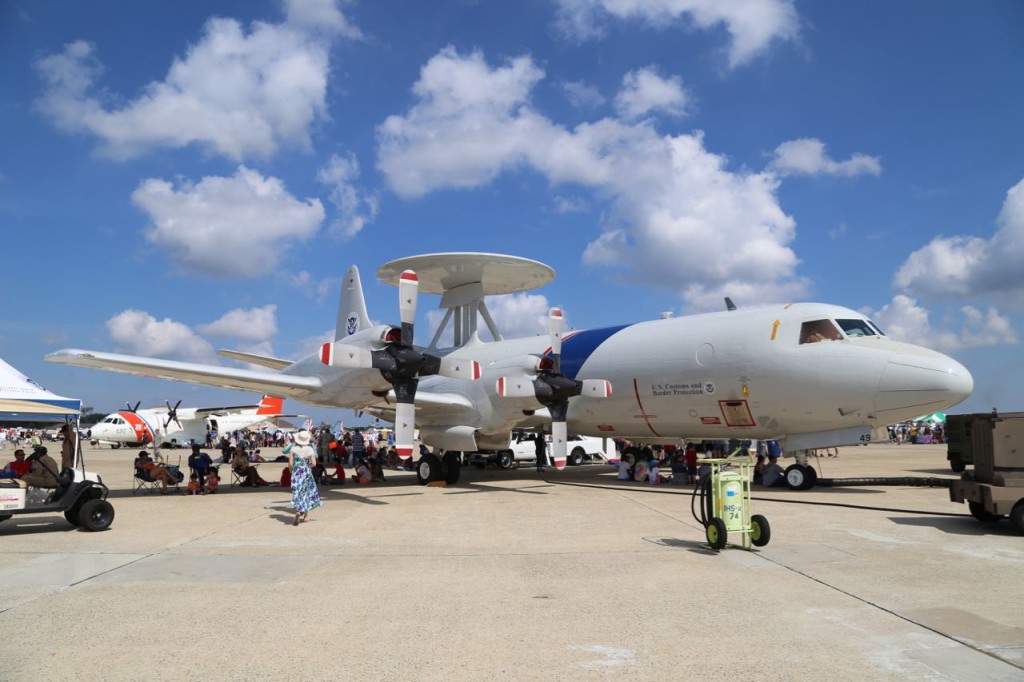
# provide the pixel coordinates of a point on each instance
(179, 426)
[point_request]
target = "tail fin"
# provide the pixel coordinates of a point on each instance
(271, 405)
(352, 315)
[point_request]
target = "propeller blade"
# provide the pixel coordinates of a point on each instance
(559, 443)
(556, 325)
(405, 435)
(346, 355)
(596, 388)
(459, 368)
(515, 387)
(408, 289)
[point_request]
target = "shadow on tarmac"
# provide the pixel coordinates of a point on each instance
(959, 525)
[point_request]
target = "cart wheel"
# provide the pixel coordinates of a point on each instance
(72, 514)
(760, 531)
(505, 459)
(979, 512)
(96, 515)
(1017, 517)
(716, 533)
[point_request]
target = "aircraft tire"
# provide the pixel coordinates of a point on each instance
(760, 531)
(811, 477)
(428, 469)
(452, 467)
(505, 459)
(979, 512)
(957, 465)
(1017, 517)
(716, 534)
(4, 517)
(795, 475)
(96, 515)
(576, 457)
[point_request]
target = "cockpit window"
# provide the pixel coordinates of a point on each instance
(876, 328)
(819, 330)
(855, 328)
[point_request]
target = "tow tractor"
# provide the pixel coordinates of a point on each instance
(725, 503)
(994, 487)
(80, 495)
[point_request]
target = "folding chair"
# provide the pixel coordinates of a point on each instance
(144, 484)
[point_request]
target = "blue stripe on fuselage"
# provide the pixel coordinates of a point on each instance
(578, 347)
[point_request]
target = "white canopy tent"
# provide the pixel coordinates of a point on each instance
(21, 399)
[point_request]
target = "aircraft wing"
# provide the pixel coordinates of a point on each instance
(273, 383)
(427, 404)
(251, 358)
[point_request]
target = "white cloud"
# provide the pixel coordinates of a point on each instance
(520, 314)
(255, 325)
(321, 16)
(903, 319)
(304, 282)
(423, 151)
(807, 156)
(515, 316)
(355, 207)
(679, 219)
(582, 95)
(644, 91)
(227, 227)
(570, 205)
(139, 333)
(752, 24)
(963, 267)
(235, 93)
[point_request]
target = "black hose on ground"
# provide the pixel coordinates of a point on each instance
(902, 481)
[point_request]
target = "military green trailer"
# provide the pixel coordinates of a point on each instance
(994, 487)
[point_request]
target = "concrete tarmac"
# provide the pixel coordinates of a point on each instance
(516, 575)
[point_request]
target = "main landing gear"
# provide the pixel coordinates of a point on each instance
(801, 476)
(432, 468)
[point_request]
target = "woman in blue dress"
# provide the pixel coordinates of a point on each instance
(302, 459)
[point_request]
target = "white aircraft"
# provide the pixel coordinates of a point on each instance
(179, 426)
(809, 375)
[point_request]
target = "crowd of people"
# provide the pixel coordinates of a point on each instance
(917, 432)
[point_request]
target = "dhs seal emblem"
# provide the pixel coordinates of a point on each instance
(352, 324)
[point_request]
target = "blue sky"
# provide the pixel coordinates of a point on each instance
(181, 177)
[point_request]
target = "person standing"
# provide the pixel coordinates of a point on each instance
(540, 449)
(301, 460)
(68, 447)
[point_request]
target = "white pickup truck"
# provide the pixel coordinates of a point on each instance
(579, 450)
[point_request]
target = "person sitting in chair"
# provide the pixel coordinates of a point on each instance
(249, 474)
(150, 471)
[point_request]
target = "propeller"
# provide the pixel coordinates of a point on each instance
(400, 363)
(133, 409)
(172, 414)
(552, 389)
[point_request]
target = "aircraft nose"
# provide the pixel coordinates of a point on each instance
(919, 378)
